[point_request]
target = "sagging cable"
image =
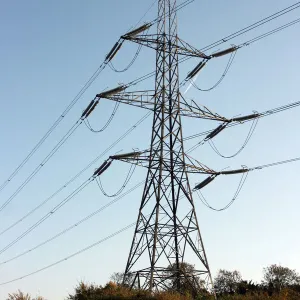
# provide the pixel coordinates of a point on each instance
(239, 188)
(248, 137)
(87, 123)
(229, 63)
(127, 179)
(129, 65)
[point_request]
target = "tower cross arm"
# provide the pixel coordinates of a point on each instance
(193, 110)
(155, 42)
(142, 158)
(144, 99)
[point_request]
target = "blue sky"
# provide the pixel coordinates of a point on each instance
(49, 49)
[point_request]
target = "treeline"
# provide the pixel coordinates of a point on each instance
(278, 283)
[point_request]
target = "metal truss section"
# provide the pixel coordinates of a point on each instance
(144, 157)
(146, 100)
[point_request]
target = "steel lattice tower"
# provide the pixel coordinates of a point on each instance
(171, 228)
(167, 233)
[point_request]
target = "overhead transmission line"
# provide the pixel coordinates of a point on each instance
(75, 225)
(72, 255)
(94, 76)
(50, 213)
(245, 171)
(291, 160)
(252, 26)
(127, 179)
(125, 228)
(264, 35)
(108, 58)
(142, 78)
(229, 63)
(269, 112)
(248, 137)
(236, 194)
(261, 115)
(229, 37)
(42, 163)
(125, 134)
(55, 124)
(95, 175)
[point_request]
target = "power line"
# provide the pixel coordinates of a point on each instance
(62, 115)
(248, 137)
(261, 115)
(275, 164)
(42, 164)
(123, 186)
(128, 226)
(72, 255)
(55, 124)
(253, 169)
(49, 214)
(239, 188)
(102, 208)
(230, 61)
(132, 224)
(126, 133)
(273, 31)
(88, 125)
(225, 39)
(253, 26)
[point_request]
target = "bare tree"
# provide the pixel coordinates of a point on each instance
(227, 281)
(278, 277)
(19, 296)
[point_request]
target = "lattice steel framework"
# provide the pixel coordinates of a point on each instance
(167, 226)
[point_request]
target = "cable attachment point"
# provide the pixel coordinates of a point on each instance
(238, 171)
(111, 92)
(225, 52)
(89, 109)
(215, 131)
(246, 118)
(126, 155)
(196, 70)
(113, 51)
(102, 168)
(136, 31)
(205, 182)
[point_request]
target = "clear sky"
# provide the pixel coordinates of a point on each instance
(48, 51)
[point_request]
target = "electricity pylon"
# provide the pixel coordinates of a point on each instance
(167, 232)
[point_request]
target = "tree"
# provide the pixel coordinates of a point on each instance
(227, 282)
(278, 277)
(85, 291)
(118, 278)
(19, 296)
(186, 278)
